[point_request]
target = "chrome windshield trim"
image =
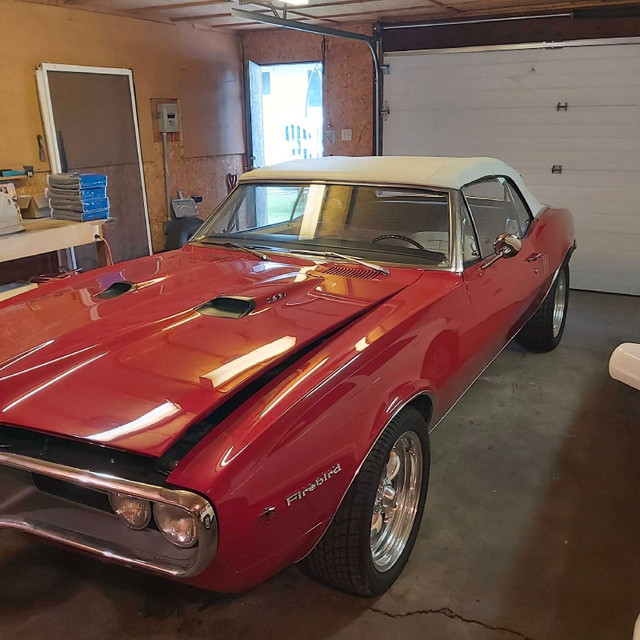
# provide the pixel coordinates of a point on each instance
(198, 506)
(454, 240)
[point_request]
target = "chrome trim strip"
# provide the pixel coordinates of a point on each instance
(195, 504)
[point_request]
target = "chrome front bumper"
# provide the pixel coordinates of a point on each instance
(25, 507)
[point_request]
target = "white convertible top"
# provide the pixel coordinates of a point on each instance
(419, 171)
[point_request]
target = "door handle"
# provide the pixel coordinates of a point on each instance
(534, 256)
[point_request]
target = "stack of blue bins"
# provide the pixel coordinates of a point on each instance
(80, 197)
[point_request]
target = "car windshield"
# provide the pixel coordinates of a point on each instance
(376, 223)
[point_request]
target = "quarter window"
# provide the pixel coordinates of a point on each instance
(496, 208)
(470, 251)
(522, 211)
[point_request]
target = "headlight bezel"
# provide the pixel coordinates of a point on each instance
(162, 516)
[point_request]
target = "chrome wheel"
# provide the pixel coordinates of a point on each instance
(559, 302)
(396, 501)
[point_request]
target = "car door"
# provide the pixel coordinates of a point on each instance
(502, 291)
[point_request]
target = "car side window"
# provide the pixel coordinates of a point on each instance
(493, 210)
(470, 251)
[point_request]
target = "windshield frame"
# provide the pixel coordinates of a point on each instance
(453, 195)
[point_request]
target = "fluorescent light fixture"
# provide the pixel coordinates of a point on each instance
(296, 3)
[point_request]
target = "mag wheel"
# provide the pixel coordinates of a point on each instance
(396, 501)
(369, 541)
(544, 330)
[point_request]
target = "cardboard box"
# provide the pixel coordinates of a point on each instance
(34, 206)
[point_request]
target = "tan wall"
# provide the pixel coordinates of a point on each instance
(201, 69)
(348, 79)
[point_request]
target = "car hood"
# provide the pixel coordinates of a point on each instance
(134, 371)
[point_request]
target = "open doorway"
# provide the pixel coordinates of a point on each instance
(285, 112)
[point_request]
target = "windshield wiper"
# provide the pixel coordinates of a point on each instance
(341, 256)
(235, 245)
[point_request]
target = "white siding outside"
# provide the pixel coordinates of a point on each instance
(503, 104)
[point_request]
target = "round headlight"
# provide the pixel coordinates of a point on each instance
(177, 525)
(134, 512)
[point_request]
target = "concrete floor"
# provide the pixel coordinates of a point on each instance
(531, 529)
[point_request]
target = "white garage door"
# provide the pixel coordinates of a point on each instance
(510, 104)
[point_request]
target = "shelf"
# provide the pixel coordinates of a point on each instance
(13, 178)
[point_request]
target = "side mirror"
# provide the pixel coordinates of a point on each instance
(507, 245)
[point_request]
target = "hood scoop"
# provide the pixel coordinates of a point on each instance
(227, 307)
(117, 289)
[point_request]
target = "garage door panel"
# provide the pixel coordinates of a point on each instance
(485, 61)
(622, 201)
(503, 104)
(608, 116)
(526, 83)
(408, 138)
(595, 179)
(618, 265)
(533, 140)
(604, 282)
(495, 125)
(592, 243)
(531, 73)
(602, 222)
(487, 98)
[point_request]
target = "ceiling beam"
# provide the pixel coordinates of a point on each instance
(178, 5)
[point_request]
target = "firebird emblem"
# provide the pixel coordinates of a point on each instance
(327, 475)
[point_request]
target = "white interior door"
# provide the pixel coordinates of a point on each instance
(510, 104)
(91, 126)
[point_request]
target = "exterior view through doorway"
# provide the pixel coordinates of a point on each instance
(285, 112)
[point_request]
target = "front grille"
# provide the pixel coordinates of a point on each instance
(81, 455)
(70, 491)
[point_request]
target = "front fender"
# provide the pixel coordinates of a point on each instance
(277, 469)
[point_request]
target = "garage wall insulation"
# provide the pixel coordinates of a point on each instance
(201, 69)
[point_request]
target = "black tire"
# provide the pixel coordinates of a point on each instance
(343, 558)
(539, 334)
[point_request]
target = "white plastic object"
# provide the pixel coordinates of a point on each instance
(624, 364)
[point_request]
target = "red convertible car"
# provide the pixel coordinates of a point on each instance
(264, 395)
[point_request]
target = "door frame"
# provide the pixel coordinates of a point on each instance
(250, 156)
(48, 120)
(248, 122)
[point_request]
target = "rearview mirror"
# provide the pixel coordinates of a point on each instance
(507, 245)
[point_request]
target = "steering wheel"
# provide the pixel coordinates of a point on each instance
(393, 236)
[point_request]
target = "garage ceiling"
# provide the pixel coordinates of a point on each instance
(215, 14)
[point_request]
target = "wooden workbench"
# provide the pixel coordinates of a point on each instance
(47, 234)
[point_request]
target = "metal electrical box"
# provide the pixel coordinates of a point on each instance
(169, 121)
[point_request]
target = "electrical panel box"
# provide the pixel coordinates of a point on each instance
(169, 121)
